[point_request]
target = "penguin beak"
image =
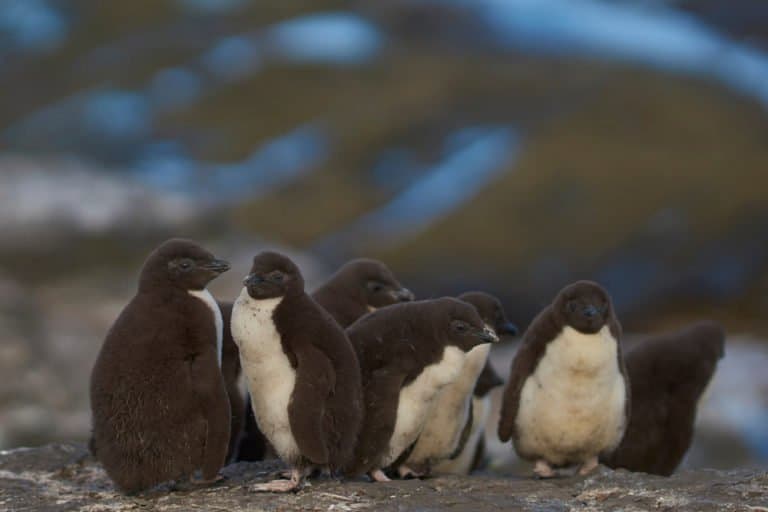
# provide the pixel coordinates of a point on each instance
(507, 328)
(217, 266)
(403, 295)
(252, 280)
(487, 335)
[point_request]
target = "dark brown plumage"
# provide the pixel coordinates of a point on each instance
(669, 373)
(358, 287)
(324, 408)
(584, 307)
(394, 346)
(160, 409)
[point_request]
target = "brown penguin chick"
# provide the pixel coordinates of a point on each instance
(449, 425)
(567, 398)
(408, 353)
(471, 394)
(301, 370)
(359, 287)
(669, 374)
(159, 406)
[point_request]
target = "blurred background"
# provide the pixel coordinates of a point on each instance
(505, 145)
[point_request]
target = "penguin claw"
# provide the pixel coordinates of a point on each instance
(544, 470)
(277, 486)
(589, 466)
(379, 476)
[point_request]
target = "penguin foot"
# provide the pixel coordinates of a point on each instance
(378, 475)
(589, 466)
(407, 473)
(544, 470)
(292, 485)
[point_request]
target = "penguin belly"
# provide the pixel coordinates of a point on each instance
(450, 412)
(416, 399)
(269, 376)
(462, 463)
(572, 406)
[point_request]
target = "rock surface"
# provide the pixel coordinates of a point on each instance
(64, 477)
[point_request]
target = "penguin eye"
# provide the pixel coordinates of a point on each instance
(185, 265)
(459, 326)
(277, 277)
(572, 306)
(604, 308)
(375, 286)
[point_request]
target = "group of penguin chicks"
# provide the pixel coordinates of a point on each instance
(359, 378)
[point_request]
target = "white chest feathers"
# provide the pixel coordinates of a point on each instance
(416, 399)
(268, 373)
(572, 406)
(450, 411)
(205, 296)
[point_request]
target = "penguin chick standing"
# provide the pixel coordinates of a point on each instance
(470, 452)
(408, 353)
(449, 425)
(160, 410)
(302, 372)
(567, 398)
(359, 287)
(669, 374)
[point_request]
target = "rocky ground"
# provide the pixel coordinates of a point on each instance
(64, 477)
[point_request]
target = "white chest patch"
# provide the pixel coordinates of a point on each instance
(572, 406)
(268, 373)
(450, 412)
(462, 464)
(416, 399)
(205, 296)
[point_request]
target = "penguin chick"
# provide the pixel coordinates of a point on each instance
(669, 374)
(301, 370)
(359, 287)
(567, 398)
(408, 353)
(159, 406)
(470, 450)
(449, 425)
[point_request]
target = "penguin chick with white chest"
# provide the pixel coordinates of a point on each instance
(301, 370)
(450, 424)
(567, 398)
(160, 410)
(408, 353)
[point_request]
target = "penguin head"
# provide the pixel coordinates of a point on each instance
(372, 282)
(462, 326)
(181, 264)
(585, 306)
(491, 311)
(273, 275)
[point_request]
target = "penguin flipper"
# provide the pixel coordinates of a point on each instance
(526, 359)
(315, 380)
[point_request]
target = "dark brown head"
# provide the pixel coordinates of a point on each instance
(491, 311)
(459, 324)
(583, 305)
(273, 275)
(181, 264)
(370, 282)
